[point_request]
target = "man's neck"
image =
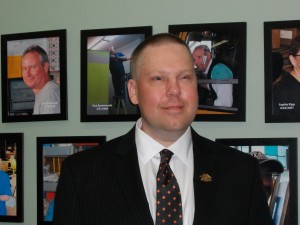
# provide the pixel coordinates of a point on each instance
(165, 138)
(37, 90)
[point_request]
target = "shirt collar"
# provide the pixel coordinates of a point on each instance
(207, 69)
(147, 147)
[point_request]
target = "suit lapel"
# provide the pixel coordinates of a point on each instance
(127, 170)
(204, 180)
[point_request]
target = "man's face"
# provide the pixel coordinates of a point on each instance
(198, 57)
(34, 73)
(267, 180)
(165, 89)
(112, 50)
(295, 60)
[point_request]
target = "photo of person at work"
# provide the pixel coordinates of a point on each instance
(36, 75)
(5, 192)
(213, 93)
(275, 187)
(161, 171)
(286, 90)
(268, 168)
(117, 71)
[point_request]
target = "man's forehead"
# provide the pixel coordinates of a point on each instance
(198, 51)
(32, 53)
(31, 56)
(146, 56)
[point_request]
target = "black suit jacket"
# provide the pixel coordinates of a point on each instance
(104, 187)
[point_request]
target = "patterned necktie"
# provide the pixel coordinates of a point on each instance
(168, 196)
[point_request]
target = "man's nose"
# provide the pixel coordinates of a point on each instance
(26, 72)
(173, 88)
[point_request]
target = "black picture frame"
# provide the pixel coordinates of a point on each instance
(226, 44)
(11, 167)
(280, 105)
(17, 99)
(51, 151)
(104, 96)
(284, 210)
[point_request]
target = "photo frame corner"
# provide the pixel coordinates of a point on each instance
(51, 151)
(12, 171)
(111, 103)
(284, 201)
(17, 98)
(278, 36)
(213, 36)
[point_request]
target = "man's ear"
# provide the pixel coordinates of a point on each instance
(46, 67)
(132, 91)
(292, 59)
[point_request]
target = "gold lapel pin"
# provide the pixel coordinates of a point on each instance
(206, 177)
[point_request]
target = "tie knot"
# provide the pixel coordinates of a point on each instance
(165, 156)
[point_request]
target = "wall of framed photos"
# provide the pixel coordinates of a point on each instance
(76, 15)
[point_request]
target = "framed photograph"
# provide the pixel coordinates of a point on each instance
(219, 52)
(105, 69)
(277, 158)
(282, 71)
(11, 177)
(34, 76)
(51, 151)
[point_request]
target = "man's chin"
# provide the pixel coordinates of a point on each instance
(177, 126)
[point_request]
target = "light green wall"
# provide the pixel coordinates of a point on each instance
(98, 77)
(97, 83)
(74, 15)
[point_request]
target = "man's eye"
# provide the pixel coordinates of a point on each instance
(157, 78)
(184, 77)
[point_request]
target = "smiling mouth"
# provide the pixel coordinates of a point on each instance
(29, 79)
(174, 108)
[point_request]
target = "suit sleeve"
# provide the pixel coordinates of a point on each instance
(259, 211)
(66, 209)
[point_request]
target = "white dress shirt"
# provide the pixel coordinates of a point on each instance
(182, 164)
(224, 94)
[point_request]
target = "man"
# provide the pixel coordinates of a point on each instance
(221, 94)
(36, 75)
(269, 169)
(120, 183)
(117, 71)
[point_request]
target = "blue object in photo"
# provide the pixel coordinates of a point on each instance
(49, 215)
(221, 72)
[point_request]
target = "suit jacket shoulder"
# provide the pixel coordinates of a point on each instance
(102, 186)
(220, 153)
(227, 185)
